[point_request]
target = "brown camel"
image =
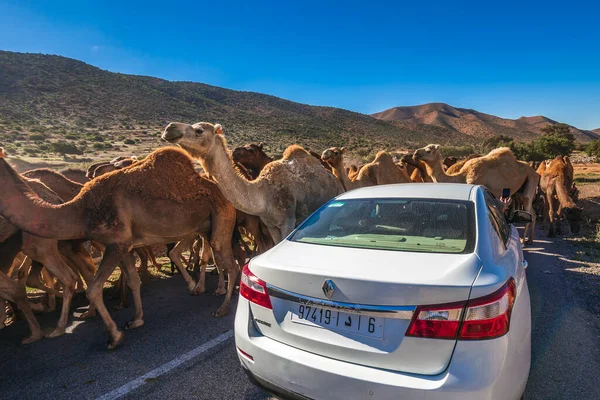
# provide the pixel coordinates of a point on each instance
(497, 170)
(252, 157)
(418, 169)
(380, 171)
(450, 161)
(74, 174)
(46, 252)
(156, 201)
(284, 194)
(556, 183)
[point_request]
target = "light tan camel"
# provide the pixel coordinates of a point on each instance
(454, 168)
(556, 182)
(156, 201)
(284, 194)
(497, 170)
(380, 171)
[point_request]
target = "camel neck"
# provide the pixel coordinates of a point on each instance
(436, 171)
(22, 207)
(562, 193)
(340, 172)
(245, 195)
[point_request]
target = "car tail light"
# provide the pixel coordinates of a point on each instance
(253, 289)
(489, 317)
(440, 321)
(482, 318)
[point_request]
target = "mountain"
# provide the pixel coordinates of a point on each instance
(596, 131)
(471, 122)
(51, 98)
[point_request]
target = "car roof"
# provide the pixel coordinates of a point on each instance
(451, 191)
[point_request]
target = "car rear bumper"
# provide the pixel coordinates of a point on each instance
(478, 370)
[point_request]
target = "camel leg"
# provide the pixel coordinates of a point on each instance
(204, 258)
(12, 291)
(152, 258)
(143, 254)
(551, 213)
(170, 247)
(112, 256)
(34, 278)
(133, 282)
(224, 257)
(528, 198)
(121, 287)
(81, 261)
(49, 281)
(222, 228)
(175, 256)
(53, 261)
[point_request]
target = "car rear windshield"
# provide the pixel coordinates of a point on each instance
(416, 225)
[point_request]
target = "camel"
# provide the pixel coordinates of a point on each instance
(47, 252)
(74, 174)
(450, 161)
(417, 169)
(113, 166)
(252, 157)
(454, 168)
(284, 194)
(556, 182)
(380, 171)
(497, 170)
(353, 171)
(156, 201)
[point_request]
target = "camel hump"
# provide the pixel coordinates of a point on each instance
(383, 156)
(295, 151)
(501, 152)
(165, 157)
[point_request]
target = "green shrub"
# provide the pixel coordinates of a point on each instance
(36, 136)
(64, 148)
(70, 136)
(593, 149)
(129, 141)
(457, 151)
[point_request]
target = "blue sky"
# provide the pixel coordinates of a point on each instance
(508, 58)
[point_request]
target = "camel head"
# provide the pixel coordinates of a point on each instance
(428, 154)
(251, 156)
(198, 139)
(573, 217)
(334, 156)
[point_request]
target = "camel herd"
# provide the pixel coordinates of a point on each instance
(241, 204)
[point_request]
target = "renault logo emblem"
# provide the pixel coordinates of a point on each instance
(328, 288)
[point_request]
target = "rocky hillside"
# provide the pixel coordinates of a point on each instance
(471, 122)
(45, 99)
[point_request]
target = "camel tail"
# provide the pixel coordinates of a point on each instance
(24, 209)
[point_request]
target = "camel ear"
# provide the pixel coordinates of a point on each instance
(343, 149)
(218, 129)
(260, 145)
(436, 146)
(134, 158)
(2, 155)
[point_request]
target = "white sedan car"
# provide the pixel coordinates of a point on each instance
(412, 291)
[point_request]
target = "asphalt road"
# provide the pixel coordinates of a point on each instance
(182, 352)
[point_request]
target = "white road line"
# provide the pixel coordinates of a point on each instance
(163, 369)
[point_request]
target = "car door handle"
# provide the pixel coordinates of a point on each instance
(525, 264)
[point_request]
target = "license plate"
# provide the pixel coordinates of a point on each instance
(338, 321)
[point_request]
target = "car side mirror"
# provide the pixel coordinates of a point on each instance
(520, 217)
